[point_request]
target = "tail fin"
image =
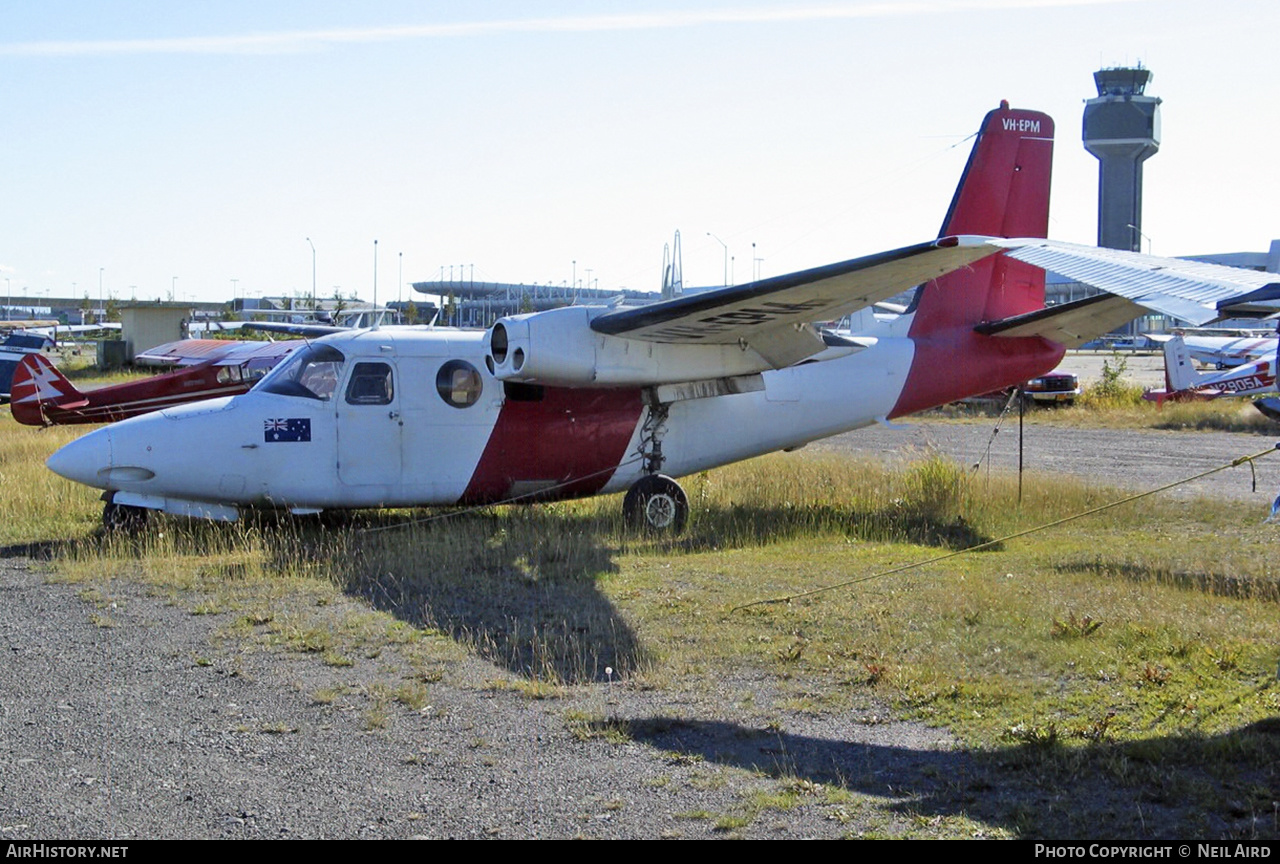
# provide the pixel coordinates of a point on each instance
(38, 386)
(1004, 192)
(1179, 372)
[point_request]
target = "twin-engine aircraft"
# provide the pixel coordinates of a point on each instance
(584, 400)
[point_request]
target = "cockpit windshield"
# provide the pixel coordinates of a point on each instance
(312, 372)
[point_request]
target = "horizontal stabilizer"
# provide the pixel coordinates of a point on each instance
(1069, 324)
(1262, 303)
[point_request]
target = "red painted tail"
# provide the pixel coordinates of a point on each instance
(37, 386)
(1004, 192)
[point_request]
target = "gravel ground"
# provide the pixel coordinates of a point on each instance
(123, 715)
(1125, 458)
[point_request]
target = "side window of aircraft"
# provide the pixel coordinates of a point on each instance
(371, 384)
(459, 384)
(312, 372)
(229, 375)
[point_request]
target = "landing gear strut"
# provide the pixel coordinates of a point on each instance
(656, 503)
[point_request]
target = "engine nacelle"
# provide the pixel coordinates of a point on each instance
(559, 347)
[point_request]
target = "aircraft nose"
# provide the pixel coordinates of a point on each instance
(85, 460)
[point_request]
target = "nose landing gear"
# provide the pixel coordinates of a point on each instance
(123, 518)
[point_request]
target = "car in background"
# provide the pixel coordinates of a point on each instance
(1056, 388)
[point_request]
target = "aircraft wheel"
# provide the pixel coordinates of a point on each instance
(656, 503)
(122, 518)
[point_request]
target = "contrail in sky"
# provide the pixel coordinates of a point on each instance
(309, 40)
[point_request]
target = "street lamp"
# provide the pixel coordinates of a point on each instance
(313, 273)
(1142, 236)
(726, 256)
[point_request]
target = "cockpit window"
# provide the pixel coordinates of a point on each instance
(371, 384)
(312, 372)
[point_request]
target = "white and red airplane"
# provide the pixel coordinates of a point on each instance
(583, 400)
(1184, 382)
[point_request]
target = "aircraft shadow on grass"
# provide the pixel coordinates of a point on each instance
(1175, 788)
(1219, 584)
(522, 590)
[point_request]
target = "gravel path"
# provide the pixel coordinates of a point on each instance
(124, 715)
(1125, 458)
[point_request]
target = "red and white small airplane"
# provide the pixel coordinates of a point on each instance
(1184, 382)
(592, 399)
(208, 369)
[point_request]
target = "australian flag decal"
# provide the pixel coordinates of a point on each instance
(290, 429)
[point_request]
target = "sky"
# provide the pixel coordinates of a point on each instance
(202, 150)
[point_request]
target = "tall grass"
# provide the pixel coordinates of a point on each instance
(1183, 593)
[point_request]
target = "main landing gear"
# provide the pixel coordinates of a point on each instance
(656, 503)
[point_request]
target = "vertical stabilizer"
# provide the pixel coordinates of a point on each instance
(36, 384)
(1003, 192)
(1179, 372)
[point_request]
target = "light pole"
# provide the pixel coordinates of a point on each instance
(8, 298)
(1142, 236)
(235, 290)
(313, 274)
(100, 303)
(726, 256)
(399, 279)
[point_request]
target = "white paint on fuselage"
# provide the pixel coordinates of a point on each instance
(835, 396)
(217, 451)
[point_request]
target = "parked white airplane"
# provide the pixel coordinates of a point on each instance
(582, 400)
(1183, 380)
(1224, 352)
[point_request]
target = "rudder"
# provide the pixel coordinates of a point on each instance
(1004, 192)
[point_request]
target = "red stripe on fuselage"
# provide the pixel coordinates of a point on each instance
(570, 438)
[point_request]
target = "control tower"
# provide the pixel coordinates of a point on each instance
(1121, 128)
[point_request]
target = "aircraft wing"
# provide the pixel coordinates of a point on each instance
(308, 331)
(185, 352)
(773, 316)
(1191, 290)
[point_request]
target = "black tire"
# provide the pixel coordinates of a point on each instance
(124, 519)
(656, 503)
